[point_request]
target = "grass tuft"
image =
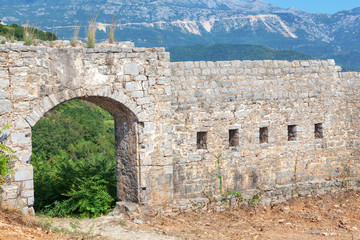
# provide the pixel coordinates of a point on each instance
(112, 29)
(29, 33)
(91, 32)
(16, 216)
(76, 35)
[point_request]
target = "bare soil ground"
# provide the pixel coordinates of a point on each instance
(14, 225)
(329, 216)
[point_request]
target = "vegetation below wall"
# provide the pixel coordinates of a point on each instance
(74, 161)
(16, 32)
(227, 52)
(6, 155)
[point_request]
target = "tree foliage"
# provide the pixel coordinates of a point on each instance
(16, 32)
(74, 161)
(227, 52)
(6, 155)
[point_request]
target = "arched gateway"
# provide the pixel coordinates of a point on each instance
(278, 125)
(121, 80)
(126, 135)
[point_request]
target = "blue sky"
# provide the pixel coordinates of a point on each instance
(317, 6)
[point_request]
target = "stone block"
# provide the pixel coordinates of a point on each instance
(144, 100)
(195, 158)
(4, 94)
(28, 54)
(4, 83)
(137, 94)
(141, 78)
(4, 74)
(20, 123)
(27, 193)
(133, 86)
(189, 65)
(206, 72)
(46, 104)
(169, 170)
(167, 72)
(24, 173)
(21, 92)
(31, 121)
(54, 99)
(19, 71)
(124, 207)
(26, 157)
(131, 69)
(5, 106)
(22, 105)
(20, 138)
(305, 63)
(31, 201)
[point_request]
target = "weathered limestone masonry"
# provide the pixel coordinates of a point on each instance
(278, 125)
(133, 84)
(274, 97)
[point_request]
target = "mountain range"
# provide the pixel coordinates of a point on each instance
(228, 52)
(172, 23)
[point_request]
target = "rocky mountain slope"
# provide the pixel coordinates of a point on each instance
(228, 52)
(183, 22)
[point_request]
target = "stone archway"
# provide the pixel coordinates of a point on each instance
(126, 139)
(126, 142)
(135, 81)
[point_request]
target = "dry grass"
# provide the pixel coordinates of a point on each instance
(91, 32)
(14, 216)
(76, 35)
(29, 33)
(112, 29)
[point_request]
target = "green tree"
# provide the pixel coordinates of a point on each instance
(6, 155)
(74, 156)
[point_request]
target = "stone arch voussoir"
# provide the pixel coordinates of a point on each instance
(49, 102)
(128, 164)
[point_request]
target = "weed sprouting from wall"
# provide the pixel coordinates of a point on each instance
(219, 176)
(255, 200)
(29, 33)
(112, 29)
(6, 155)
(160, 40)
(91, 32)
(346, 169)
(76, 35)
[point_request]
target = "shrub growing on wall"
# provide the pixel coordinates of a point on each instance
(6, 154)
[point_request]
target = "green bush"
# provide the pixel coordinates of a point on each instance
(16, 32)
(87, 198)
(74, 156)
(6, 155)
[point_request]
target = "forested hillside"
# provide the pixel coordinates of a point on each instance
(171, 23)
(226, 52)
(16, 32)
(74, 161)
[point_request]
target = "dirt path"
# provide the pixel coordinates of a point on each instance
(108, 227)
(330, 216)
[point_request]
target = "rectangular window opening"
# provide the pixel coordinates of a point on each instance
(234, 137)
(264, 135)
(201, 140)
(291, 132)
(319, 132)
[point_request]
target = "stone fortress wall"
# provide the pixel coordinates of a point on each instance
(239, 98)
(275, 123)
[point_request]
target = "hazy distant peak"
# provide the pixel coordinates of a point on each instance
(258, 6)
(246, 6)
